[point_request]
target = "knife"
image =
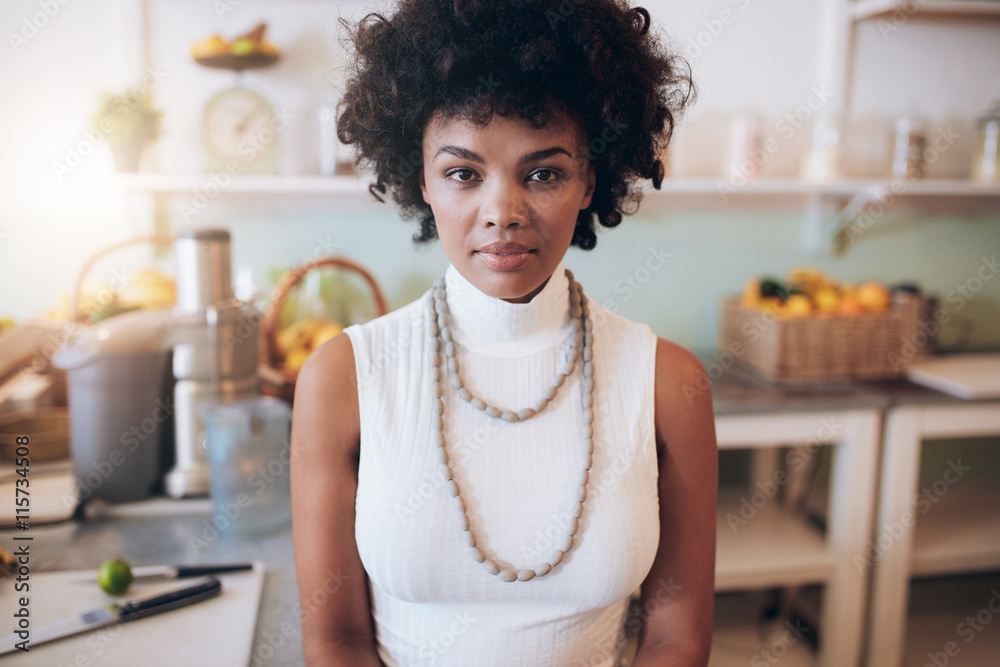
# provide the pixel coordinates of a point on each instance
(146, 572)
(113, 613)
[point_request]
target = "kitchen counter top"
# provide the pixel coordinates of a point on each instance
(739, 391)
(149, 535)
(163, 531)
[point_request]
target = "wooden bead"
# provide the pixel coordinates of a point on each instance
(507, 575)
(493, 411)
(525, 413)
(438, 406)
(436, 360)
(588, 369)
(465, 394)
(449, 349)
(588, 416)
(572, 526)
(551, 392)
(525, 575)
(470, 539)
(477, 555)
(508, 416)
(448, 473)
(557, 558)
(452, 365)
(540, 405)
(588, 461)
(588, 431)
(581, 493)
(542, 570)
(464, 523)
(584, 477)
(587, 401)
(491, 566)
(478, 403)
(559, 379)
(460, 504)
(456, 381)
(446, 335)
(453, 488)
(438, 391)
(576, 510)
(566, 544)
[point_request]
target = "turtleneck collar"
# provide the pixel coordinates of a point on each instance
(493, 327)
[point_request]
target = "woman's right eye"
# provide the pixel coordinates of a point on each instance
(467, 172)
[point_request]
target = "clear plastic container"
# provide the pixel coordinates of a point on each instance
(249, 453)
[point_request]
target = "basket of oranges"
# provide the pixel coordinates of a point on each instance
(284, 349)
(810, 328)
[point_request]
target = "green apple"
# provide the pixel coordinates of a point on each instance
(243, 47)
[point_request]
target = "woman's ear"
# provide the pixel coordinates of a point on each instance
(591, 184)
(423, 185)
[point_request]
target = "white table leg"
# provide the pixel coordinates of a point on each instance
(852, 501)
(896, 509)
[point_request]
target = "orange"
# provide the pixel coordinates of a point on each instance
(874, 296)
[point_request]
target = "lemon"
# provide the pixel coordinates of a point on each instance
(798, 305)
(827, 300)
(114, 576)
(295, 358)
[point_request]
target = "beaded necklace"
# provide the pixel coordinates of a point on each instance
(442, 341)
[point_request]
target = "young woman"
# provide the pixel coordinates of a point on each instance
(485, 476)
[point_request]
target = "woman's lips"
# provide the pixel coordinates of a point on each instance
(505, 262)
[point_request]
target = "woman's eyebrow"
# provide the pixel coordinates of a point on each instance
(472, 156)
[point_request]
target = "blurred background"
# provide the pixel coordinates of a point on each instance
(825, 239)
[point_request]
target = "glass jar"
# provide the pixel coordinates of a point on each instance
(985, 156)
(909, 142)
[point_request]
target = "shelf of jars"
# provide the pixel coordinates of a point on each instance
(861, 10)
(670, 188)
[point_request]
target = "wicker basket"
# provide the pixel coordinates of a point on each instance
(821, 348)
(281, 381)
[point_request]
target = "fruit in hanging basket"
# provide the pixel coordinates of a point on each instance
(211, 47)
(298, 340)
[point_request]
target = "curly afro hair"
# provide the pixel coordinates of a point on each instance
(471, 59)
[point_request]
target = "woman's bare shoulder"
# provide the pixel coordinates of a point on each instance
(683, 393)
(326, 395)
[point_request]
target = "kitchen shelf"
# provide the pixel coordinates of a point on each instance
(748, 558)
(867, 9)
(937, 607)
(955, 535)
(351, 185)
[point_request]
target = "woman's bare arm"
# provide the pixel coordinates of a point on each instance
(326, 434)
(678, 593)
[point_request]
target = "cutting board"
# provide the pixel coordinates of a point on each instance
(968, 376)
(218, 631)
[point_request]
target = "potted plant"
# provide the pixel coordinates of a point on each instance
(129, 122)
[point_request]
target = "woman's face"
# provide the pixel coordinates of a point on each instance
(507, 183)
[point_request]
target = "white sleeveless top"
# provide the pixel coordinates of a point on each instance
(432, 603)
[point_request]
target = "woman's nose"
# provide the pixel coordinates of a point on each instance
(505, 204)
